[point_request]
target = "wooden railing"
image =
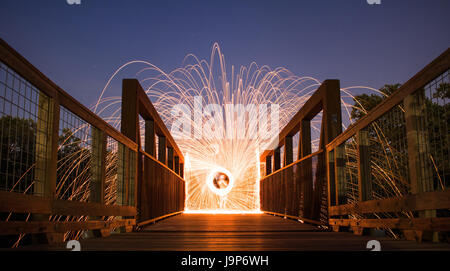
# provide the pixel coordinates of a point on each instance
(379, 173)
(393, 140)
(110, 187)
(297, 189)
(161, 184)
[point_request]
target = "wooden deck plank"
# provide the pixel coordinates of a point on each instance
(258, 232)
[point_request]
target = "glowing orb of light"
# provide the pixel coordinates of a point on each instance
(220, 181)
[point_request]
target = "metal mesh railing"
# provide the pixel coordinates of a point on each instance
(388, 154)
(62, 155)
(433, 100)
(350, 180)
(23, 117)
(111, 174)
(397, 157)
(74, 157)
(131, 178)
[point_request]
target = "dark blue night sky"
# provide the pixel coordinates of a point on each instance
(79, 47)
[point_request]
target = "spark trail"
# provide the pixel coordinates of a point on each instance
(239, 155)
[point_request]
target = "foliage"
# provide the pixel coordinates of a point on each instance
(18, 149)
(364, 103)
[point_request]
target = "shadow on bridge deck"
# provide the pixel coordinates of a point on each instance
(255, 232)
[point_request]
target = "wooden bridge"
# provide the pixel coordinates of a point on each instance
(331, 198)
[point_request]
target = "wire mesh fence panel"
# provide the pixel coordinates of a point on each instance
(350, 172)
(132, 178)
(122, 175)
(435, 109)
(23, 135)
(74, 157)
(111, 170)
(388, 152)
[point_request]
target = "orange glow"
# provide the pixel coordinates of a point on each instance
(210, 80)
(219, 211)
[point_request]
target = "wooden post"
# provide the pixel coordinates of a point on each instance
(162, 152)
(421, 176)
(268, 165)
(420, 166)
(98, 171)
(150, 146)
(130, 128)
(332, 117)
(98, 166)
(177, 164)
(182, 170)
(364, 176)
(130, 110)
(276, 159)
(305, 138)
(47, 135)
(288, 151)
(331, 128)
(170, 158)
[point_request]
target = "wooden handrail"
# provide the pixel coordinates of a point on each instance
(150, 112)
(307, 112)
(161, 164)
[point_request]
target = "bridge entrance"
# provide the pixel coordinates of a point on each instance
(67, 174)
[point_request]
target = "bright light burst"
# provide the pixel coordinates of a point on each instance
(238, 156)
